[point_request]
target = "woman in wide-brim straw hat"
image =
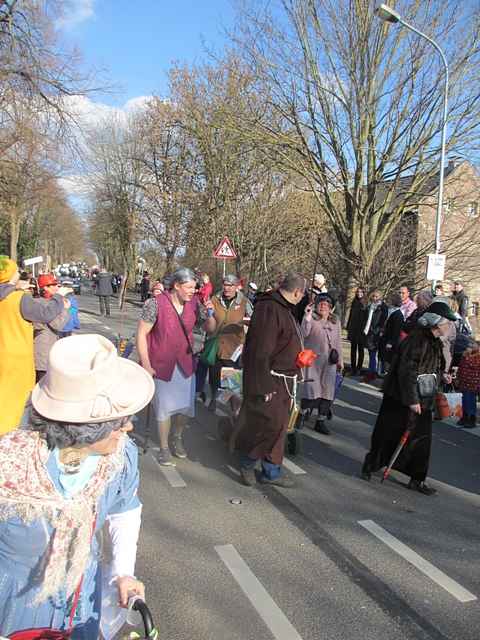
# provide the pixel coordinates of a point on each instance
(61, 479)
(407, 403)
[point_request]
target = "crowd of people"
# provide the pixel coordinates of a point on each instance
(68, 467)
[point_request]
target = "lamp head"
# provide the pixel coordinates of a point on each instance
(387, 14)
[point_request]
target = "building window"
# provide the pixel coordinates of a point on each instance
(472, 210)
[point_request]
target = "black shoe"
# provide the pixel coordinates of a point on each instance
(249, 479)
(462, 422)
(203, 397)
(281, 481)
(470, 422)
(321, 427)
(421, 487)
(366, 473)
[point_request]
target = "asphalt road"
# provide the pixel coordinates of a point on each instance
(334, 558)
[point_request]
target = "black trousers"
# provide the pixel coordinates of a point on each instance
(357, 349)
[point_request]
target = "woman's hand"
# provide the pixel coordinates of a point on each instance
(447, 377)
(149, 369)
(128, 586)
(339, 367)
(416, 408)
(308, 311)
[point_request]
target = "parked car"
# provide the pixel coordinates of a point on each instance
(74, 283)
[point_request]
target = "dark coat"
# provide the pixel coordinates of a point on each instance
(273, 343)
(462, 301)
(104, 284)
(377, 326)
(391, 335)
(356, 321)
(420, 353)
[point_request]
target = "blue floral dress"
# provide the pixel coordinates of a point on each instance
(22, 546)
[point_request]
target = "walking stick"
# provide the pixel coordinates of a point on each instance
(403, 441)
(315, 268)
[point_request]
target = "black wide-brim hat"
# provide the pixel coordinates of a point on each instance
(441, 309)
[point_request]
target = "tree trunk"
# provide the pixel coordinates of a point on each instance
(14, 235)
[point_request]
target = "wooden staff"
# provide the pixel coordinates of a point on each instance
(315, 269)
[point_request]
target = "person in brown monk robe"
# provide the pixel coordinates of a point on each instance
(269, 378)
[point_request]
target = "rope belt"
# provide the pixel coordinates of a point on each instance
(286, 378)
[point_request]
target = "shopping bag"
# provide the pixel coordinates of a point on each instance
(449, 404)
(338, 383)
(210, 350)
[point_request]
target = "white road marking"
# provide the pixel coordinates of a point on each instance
(362, 386)
(455, 589)
(293, 468)
(349, 405)
(474, 432)
(85, 317)
(171, 474)
(267, 608)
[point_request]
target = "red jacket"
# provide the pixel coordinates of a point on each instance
(205, 292)
(469, 372)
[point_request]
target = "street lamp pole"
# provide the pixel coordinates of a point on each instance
(387, 14)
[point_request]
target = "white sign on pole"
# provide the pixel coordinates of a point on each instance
(225, 250)
(436, 266)
(30, 261)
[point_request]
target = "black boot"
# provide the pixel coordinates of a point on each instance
(421, 487)
(470, 422)
(366, 472)
(321, 427)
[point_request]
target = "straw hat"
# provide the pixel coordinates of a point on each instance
(87, 382)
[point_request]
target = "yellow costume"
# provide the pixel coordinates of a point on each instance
(17, 368)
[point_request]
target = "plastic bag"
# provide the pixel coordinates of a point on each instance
(449, 404)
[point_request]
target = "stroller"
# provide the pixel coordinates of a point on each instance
(151, 632)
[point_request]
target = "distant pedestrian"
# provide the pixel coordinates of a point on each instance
(468, 377)
(228, 314)
(408, 397)
(322, 334)
(393, 330)
(355, 326)
(408, 305)
(46, 334)
(423, 300)
(18, 312)
(165, 347)
(377, 313)
(461, 298)
(104, 291)
(252, 292)
(145, 286)
(206, 288)
(269, 382)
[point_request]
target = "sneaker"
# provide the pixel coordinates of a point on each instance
(178, 448)
(249, 479)
(164, 458)
(281, 481)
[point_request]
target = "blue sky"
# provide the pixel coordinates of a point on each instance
(136, 41)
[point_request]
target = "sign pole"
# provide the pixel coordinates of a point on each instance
(224, 267)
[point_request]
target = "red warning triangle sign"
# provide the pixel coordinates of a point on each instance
(224, 250)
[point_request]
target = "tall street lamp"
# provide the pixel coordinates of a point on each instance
(389, 15)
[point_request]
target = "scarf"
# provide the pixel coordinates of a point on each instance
(372, 307)
(27, 492)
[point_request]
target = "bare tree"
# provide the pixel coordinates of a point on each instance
(360, 107)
